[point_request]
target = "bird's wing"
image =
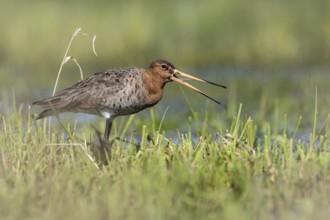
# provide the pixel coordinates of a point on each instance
(89, 93)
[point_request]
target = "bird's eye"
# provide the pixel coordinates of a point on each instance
(164, 67)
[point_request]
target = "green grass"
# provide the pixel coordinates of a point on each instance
(268, 158)
(239, 172)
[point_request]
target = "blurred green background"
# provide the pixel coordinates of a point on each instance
(272, 55)
(247, 45)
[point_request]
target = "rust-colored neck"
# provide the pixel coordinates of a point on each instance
(154, 85)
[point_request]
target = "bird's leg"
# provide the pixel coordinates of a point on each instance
(102, 151)
(107, 129)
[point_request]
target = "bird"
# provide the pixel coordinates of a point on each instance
(118, 92)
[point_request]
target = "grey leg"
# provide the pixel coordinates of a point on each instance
(107, 129)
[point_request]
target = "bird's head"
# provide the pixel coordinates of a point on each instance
(168, 73)
(163, 68)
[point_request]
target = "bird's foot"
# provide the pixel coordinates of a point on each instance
(102, 151)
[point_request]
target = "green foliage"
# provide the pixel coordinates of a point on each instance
(242, 173)
(267, 158)
(190, 34)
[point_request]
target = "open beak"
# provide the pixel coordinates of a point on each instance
(177, 72)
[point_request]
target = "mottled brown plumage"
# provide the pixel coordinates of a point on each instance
(116, 92)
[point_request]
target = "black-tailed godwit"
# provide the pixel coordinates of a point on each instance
(117, 92)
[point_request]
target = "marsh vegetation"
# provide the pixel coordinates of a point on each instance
(263, 154)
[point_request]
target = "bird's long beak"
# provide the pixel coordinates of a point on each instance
(177, 72)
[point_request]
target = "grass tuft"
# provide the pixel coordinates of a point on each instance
(236, 175)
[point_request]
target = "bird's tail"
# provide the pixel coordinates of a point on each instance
(49, 105)
(45, 113)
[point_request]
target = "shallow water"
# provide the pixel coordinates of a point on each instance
(268, 96)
